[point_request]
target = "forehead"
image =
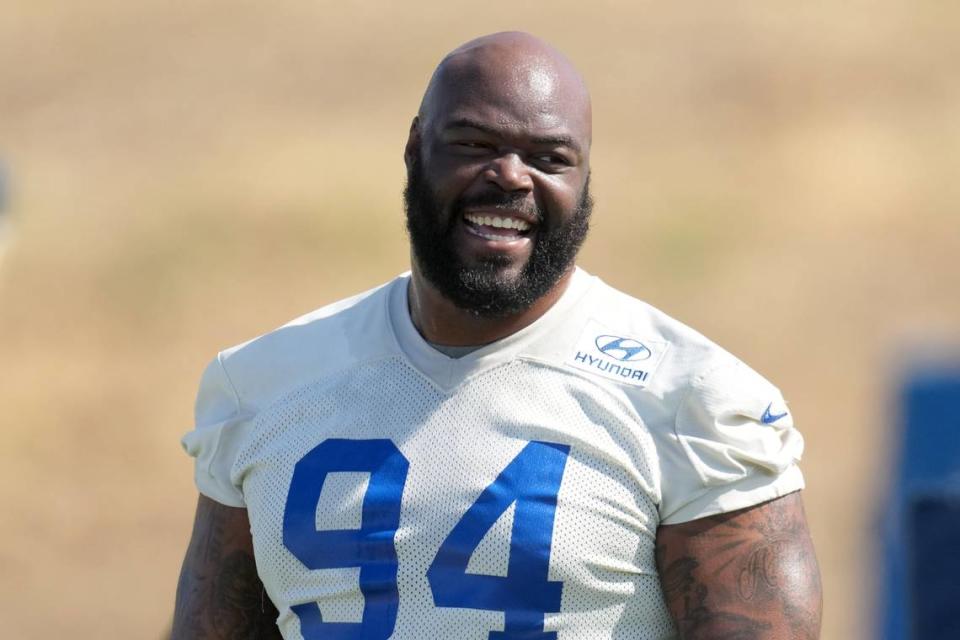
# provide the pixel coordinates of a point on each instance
(519, 94)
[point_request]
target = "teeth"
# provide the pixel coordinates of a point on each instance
(499, 223)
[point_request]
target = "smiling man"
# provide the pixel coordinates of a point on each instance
(497, 444)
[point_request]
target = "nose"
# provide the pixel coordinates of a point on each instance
(509, 172)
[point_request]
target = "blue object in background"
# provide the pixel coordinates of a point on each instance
(920, 590)
(933, 565)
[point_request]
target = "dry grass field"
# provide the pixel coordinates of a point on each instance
(183, 176)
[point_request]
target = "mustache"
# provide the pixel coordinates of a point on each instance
(513, 201)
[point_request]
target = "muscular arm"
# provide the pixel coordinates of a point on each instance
(219, 594)
(745, 575)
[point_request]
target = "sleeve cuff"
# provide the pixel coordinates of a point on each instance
(752, 490)
(204, 445)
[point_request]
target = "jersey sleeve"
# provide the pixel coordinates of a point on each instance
(220, 425)
(737, 446)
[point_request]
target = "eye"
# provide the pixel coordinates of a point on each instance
(470, 147)
(554, 161)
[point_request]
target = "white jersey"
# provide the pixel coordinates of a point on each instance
(515, 492)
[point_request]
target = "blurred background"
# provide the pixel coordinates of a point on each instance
(184, 176)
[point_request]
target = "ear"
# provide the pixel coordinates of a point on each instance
(413, 142)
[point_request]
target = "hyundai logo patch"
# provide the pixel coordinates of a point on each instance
(623, 349)
(612, 353)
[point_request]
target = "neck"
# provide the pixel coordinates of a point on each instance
(441, 322)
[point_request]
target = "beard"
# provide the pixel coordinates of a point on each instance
(488, 289)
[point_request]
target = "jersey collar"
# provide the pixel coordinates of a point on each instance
(447, 373)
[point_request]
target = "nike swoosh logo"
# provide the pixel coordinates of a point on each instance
(770, 418)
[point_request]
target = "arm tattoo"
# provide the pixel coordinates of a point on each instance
(745, 575)
(219, 594)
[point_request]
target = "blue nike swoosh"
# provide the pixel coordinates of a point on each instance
(769, 418)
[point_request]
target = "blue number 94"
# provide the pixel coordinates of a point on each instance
(531, 481)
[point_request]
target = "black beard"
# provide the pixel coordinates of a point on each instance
(485, 289)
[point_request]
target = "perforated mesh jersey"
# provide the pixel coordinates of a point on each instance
(394, 492)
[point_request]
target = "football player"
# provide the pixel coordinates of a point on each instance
(496, 444)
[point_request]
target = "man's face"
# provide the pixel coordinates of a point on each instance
(498, 281)
(497, 196)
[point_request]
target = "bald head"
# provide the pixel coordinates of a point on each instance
(498, 169)
(522, 79)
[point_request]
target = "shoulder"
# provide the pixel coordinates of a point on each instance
(617, 330)
(246, 379)
(724, 437)
(333, 337)
(701, 375)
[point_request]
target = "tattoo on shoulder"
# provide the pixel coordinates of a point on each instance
(241, 608)
(220, 595)
(744, 575)
(694, 612)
